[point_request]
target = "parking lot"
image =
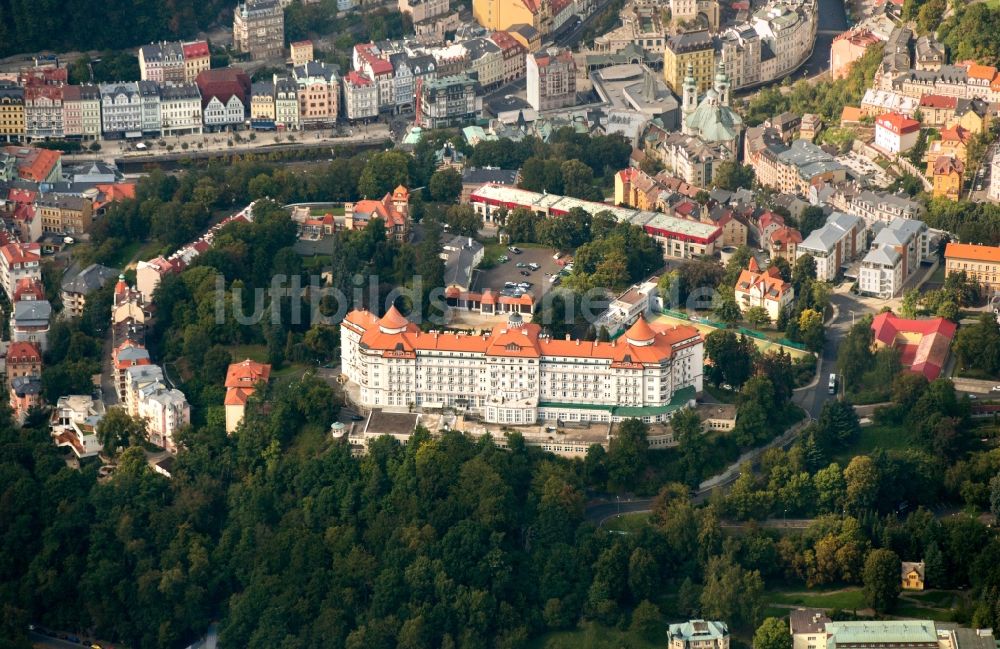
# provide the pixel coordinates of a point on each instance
(495, 278)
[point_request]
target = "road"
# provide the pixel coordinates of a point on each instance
(812, 398)
(983, 178)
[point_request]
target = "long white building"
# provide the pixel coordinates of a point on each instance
(516, 375)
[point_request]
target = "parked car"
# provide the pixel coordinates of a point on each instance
(525, 273)
(533, 266)
(995, 388)
(521, 264)
(514, 249)
(503, 259)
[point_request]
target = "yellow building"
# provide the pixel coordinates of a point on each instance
(11, 112)
(692, 48)
(948, 173)
(971, 114)
(913, 575)
(979, 263)
(501, 15)
(527, 36)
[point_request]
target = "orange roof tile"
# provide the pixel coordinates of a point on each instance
(972, 251)
(898, 124)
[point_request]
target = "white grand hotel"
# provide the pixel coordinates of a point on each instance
(516, 375)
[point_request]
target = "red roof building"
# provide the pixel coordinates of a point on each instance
(923, 344)
(393, 209)
(36, 165)
(242, 380)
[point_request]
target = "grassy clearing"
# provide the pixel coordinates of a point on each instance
(322, 211)
(762, 345)
(253, 352)
(922, 613)
(886, 438)
(845, 598)
(628, 523)
(934, 597)
(594, 636)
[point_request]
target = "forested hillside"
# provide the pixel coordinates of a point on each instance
(70, 25)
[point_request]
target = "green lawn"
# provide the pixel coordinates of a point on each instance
(593, 636)
(125, 254)
(253, 352)
(932, 598)
(922, 613)
(844, 598)
(322, 211)
(627, 523)
(873, 438)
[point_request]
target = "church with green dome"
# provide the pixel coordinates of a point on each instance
(711, 119)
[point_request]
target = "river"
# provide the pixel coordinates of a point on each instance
(832, 21)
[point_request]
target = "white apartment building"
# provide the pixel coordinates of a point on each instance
(166, 411)
(515, 375)
(789, 29)
(286, 103)
(486, 60)
(367, 59)
(884, 207)
(551, 76)
(881, 272)
(896, 253)
(162, 62)
(895, 133)
(121, 110)
(741, 55)
(19, 261)
(221, 111)
(360, 97)
(180, 109)
(838, 242)
(74, 424)
(43, 111)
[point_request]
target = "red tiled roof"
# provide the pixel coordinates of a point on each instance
(946, 165)
(19, 253)
(33, 164)
(23, 352)
(938, 101)
(925, 357)
(195, 50)
(972, 251)
(898, 124)
(356, 79)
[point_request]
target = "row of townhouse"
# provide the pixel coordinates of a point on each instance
(792, 168)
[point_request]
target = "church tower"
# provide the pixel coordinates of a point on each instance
(690, 99)
(722, 85)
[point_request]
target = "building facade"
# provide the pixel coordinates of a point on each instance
(839, 241)
(515, 375)
(360, 97)
(318, 94)
(694, 49)
(259, 29)
(121, 110)
(551, 76)
(448, 101)
(180, 109)
(698, 634)
(979, 263)
(162, 62)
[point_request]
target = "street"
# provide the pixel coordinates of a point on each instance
(812, 397)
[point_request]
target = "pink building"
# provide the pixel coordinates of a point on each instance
(848, 48)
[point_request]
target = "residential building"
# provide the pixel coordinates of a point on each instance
(895, 133)
(793, 168)
(197, 59)
(74, 290)
(810, 126)
(740, 54)
(848, 48)
(974, 115)
(448, 101)
(808, 628)
(121, 110)
(148, 275)
(896, 253)
(784, 242)
(24, 359)
(929, 54)
(692, 10)
(509, 14)
(367, 58)
(936, 109)
(838, 242)
(953, 142)
(25, 394)
(128, 354)
(152, 120)
(82, 112)
(360, 97)
(681, 238)
(11, 111)
(514, 56)
(878, 102)
(884, 207)
(979, 263)
(162, 62)
(711, 120)
(65, 214)
(763, 288)
(421, 10)
(29, 322)
(461, 255)
(526, 35)
(259, 29)
(225, 97)
(515, 375)
(694, 50)
(947, 173)
(286, 104)
(166, 411)
(403, 81)
(301, 52)
(788, 30)
(74, 424)
(180, 109)
(262, 111)
(242, 380)
(19, 261)
(486, 62)
(318, 93)
(634, 303)
(393, 209)
(43, 111)
(551, 78)
(881, 272)
(924, 346)
(698, 634)
(912, 575)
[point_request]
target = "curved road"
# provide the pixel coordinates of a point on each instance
(832, 21)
